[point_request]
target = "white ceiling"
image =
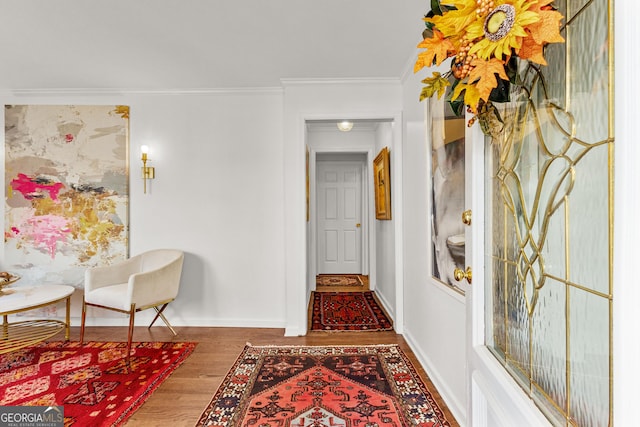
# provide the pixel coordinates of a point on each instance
(203, 44)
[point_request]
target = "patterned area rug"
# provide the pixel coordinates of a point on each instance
(323, 386)
(348, 311)
(339, 280)
(91, 380)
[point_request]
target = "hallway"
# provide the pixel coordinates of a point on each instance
(345, 303)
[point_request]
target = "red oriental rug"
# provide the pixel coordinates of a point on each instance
(323, 386)
(91, 381)
(348, 311)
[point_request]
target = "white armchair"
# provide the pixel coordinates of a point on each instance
(148, 280)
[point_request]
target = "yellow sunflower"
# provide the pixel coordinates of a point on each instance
(502, 29)
(453, 23)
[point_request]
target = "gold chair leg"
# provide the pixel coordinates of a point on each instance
(132, 316)
(164, 319)
(67, 328)
(84, 316)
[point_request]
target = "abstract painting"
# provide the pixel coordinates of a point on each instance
(66, 190)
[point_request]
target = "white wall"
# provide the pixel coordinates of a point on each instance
(217, 195)
(434, 315)
(385, 231)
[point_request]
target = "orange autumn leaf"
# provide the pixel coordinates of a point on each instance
(436, 47)
(547, 29)
(483, 75)
(532, 51)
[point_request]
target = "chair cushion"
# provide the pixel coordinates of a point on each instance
(115, 296)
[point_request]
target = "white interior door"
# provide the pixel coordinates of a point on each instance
(339, 217)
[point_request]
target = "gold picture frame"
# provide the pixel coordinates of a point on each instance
(382, 184)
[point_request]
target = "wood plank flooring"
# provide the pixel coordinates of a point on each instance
(180, 400)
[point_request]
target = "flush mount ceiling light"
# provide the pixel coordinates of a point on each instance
(345, 126)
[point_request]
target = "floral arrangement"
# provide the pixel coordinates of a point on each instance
(484, 38)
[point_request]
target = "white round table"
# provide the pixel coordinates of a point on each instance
(18, 299)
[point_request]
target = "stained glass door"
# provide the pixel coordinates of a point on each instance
(548, 235)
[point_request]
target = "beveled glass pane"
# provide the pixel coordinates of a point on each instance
(589, 358)
(554, 249)
(549, 340)
(517, 321)
(588, 61)
(588, 252)
(497, 310)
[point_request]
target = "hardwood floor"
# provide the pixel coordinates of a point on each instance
(180, 400)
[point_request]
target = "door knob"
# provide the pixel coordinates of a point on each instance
(459, 274)
(358, 225)
(466, 217)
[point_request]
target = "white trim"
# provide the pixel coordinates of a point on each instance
(343, 81)
(181, 322)
(295, 226)
(500, 389)
(134, 91)
(296, 238)
(626, 346)
(398, 219)
(456, 407)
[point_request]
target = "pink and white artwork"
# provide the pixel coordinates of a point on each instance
(66, 190)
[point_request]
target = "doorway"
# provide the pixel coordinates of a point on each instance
(340, 212)
(300, 244)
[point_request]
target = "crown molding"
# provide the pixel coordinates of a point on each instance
(133, 91)
(345, 81)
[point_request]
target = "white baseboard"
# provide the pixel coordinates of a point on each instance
(181, 322)
(457, 408)
(387, 307)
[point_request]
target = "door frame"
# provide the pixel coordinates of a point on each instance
(296, 248)
(368, 242)
(492, 394)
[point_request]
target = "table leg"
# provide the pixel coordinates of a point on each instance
(5, 327)
(68, 320)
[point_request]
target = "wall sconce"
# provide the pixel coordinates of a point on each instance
(148, 172)
(345, 126)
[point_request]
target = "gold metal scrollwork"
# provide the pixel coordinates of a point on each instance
(556, 179)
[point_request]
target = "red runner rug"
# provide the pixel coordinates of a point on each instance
(323, 386)
(348, 311)
(339, 280)
(90, 380)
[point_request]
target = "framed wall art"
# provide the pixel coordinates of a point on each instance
(447, 191)
(382, 183)
(67, 190)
